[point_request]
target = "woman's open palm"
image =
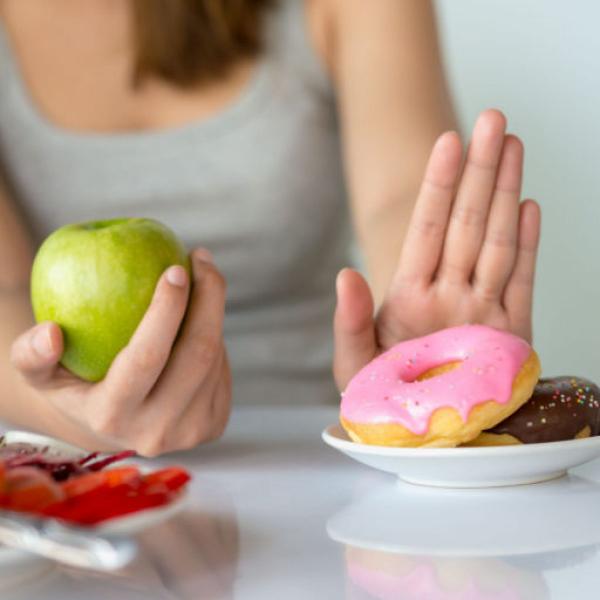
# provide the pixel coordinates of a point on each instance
(469, 254)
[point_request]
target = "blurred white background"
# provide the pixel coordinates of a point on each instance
(539, 61)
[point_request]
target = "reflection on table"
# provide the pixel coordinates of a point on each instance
(412, 543)
(194, 555)
(387, 576)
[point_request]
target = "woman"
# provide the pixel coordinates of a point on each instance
(222, 118)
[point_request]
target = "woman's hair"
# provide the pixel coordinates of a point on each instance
(189, 42)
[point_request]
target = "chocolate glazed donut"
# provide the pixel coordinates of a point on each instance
(561, 408)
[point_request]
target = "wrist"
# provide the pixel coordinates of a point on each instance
(39, 414)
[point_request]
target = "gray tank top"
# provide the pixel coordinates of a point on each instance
(260, 184)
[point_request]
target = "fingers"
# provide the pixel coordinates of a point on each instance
(179, 421)
(518, 298)
(425, 236)
(470, 211)
(200, 341)
(499, 250)
(137, 367)
(195, 383)
(354, 333)
(37, 352)
(221, 405)
(206, 416)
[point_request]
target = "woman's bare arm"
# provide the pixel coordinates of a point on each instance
(394, 103)
(18, 403)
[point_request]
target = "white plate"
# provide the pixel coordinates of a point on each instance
(490, 466)
(126, 525)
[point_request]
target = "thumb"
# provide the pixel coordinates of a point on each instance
(353, 326)
(37, 351)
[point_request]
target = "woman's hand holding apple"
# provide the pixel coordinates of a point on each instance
(168, 389)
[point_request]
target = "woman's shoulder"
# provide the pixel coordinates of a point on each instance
(337, 27)
(313, 34)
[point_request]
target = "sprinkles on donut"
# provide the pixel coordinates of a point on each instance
(561, 408)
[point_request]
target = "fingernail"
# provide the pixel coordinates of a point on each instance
(42, 343)
(204, 255)
(338, 280)
(177, 276)
(446, 139)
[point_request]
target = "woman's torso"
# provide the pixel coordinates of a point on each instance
(258, 182)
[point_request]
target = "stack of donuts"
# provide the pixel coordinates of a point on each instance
(467, 385)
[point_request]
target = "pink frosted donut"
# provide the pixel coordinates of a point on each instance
(440, 390)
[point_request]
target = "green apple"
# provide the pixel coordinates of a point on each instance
(96, 281)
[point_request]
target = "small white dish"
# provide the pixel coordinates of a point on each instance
(127, 525)
(491, 466)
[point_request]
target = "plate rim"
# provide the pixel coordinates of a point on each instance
(40, 439)
(329, 437)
